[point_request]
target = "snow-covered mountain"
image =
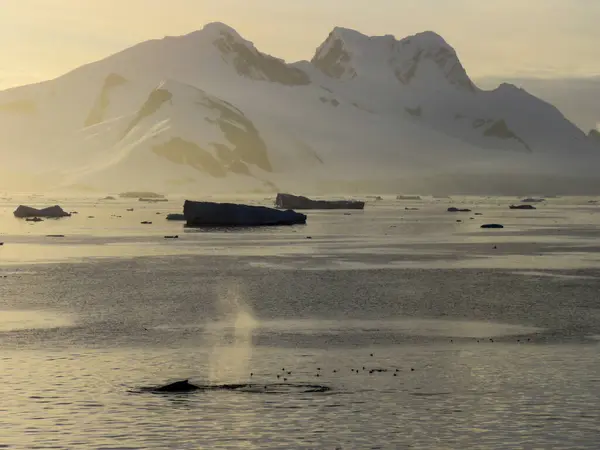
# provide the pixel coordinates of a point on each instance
(208, 112)
(577, 97)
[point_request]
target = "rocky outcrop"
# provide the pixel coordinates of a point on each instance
(500, 130)
(253, 64)
(526, 206)
(155, 100)
(492, 225)
(454, 209)
(333, 59)
(333, 102)
(247, 144)
(52, 211)
(140, 194)
(180, 151)
(209, 214)
(152, 200)
(98, 111)
(289, 201)
(412, 52)
(415, 112)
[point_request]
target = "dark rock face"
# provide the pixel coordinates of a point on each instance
(209, 214)
(153, 103)
(180, 151)
(454, 209)
(52, 211)
(500, 130)
(334, 62)
(522, 206)
(492, 225)
(333, 102)
(249, 63)
(289, 201)
(406, 75)
(97, 113)
(248, 146)
(245, 147)
(415, 112)
(443, 56)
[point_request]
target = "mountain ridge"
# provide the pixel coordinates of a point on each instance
(217, 109)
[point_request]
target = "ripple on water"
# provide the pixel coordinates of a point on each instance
(14, 320)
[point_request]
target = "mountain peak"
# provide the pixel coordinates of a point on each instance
(218, 27)
(248, 61)
(210, 50)
(428, 39)
(347, 53)
(217, 30)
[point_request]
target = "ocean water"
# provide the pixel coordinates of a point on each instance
(375, 329)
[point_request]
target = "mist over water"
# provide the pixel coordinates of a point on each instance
(230, 335)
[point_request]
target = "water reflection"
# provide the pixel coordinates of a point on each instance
(26, 320)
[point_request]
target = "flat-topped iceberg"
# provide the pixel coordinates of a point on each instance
(408, 197)
(52, 211)
(209, 214)
(175, 216)
(289, 201)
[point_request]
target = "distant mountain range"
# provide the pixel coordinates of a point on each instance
(577, 97)
(207, 113)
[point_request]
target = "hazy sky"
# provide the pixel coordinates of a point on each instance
(42, 39)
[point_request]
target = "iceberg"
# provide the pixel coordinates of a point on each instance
(209, 214)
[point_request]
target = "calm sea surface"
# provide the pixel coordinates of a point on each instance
(378, 329)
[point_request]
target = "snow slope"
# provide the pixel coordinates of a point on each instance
(578, 98)
(209, 112)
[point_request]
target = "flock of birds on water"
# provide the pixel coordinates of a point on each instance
(284, 375)
(364, 369)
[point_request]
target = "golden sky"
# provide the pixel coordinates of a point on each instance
(42, 39)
